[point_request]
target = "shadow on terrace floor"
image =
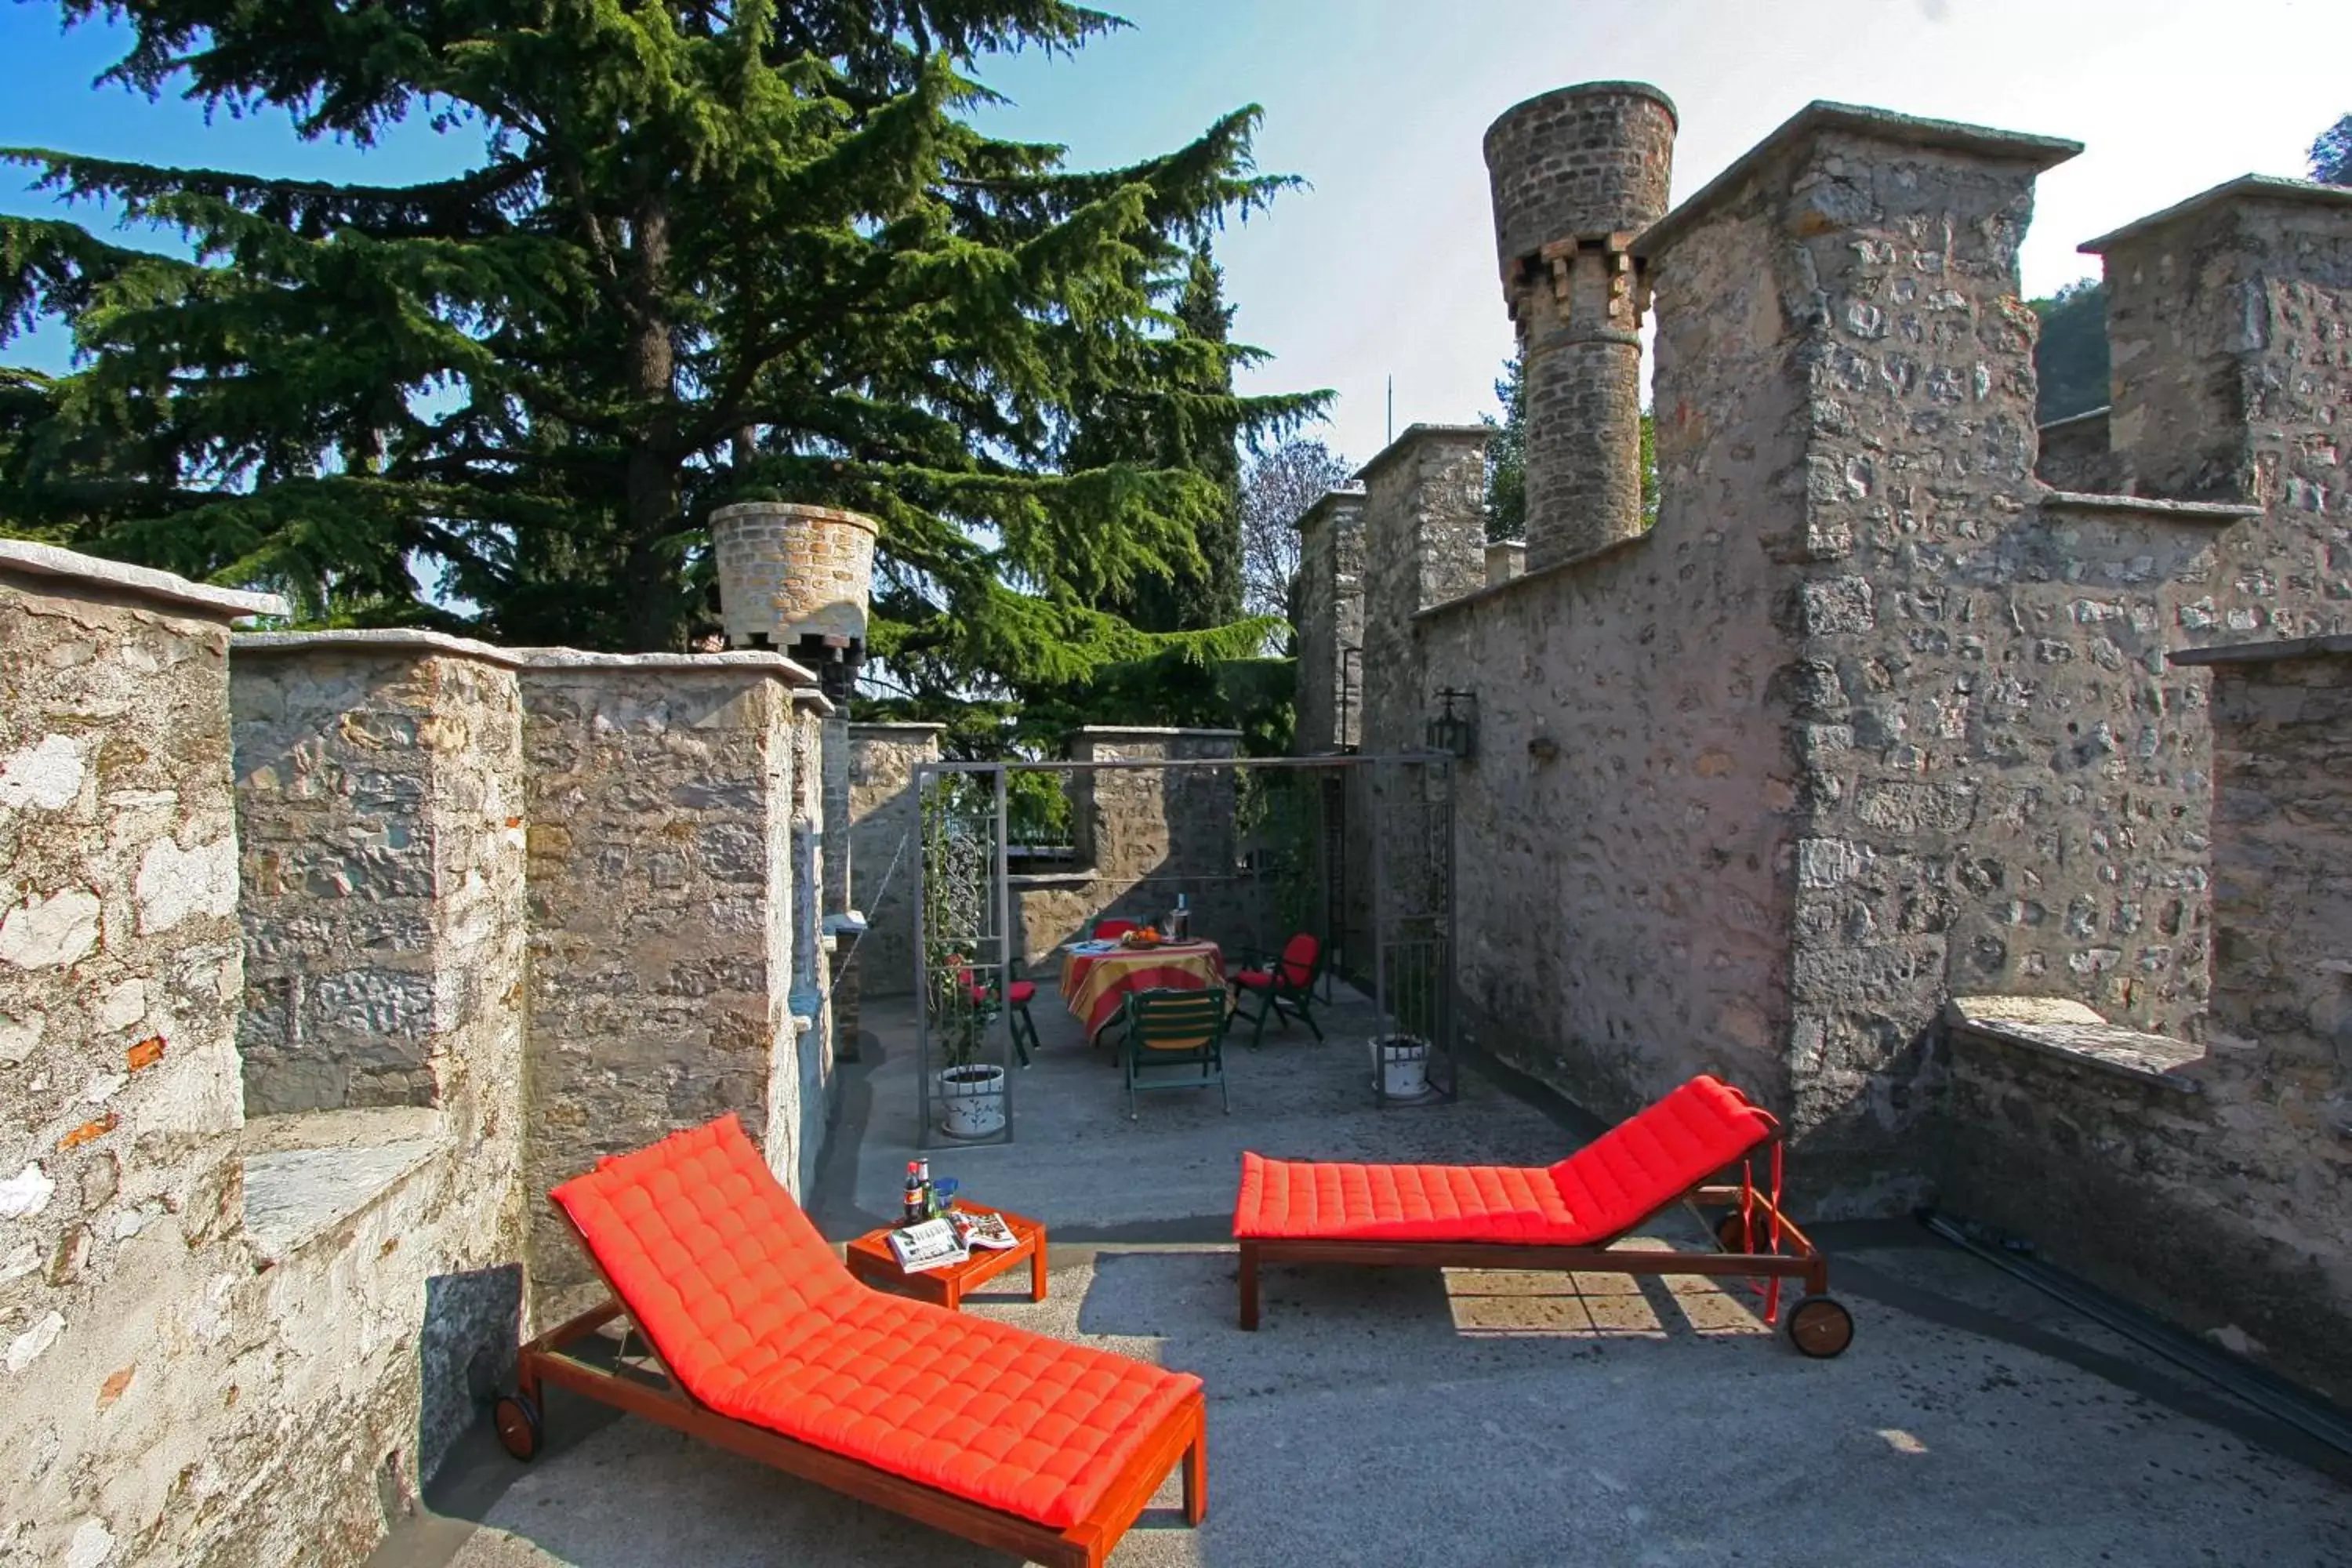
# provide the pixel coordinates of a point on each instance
(1463, 1417)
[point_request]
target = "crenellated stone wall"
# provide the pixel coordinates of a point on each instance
(380, 813)
(347, 1278)
(336, 847)
(662, 811)
(1144, 835)
(2209, 1182)
(886, 848)
(1330, 624)
(1873, 717)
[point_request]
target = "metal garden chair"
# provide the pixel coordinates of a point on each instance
(1285, 988)
(1172, 1028)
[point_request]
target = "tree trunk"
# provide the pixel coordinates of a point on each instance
(648, 576)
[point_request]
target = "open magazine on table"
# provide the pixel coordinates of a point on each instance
(930, 1245)
(987, 1231)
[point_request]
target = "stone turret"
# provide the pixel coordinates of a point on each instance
(796, 579)
(1576, 174)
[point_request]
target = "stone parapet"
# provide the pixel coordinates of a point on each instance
(1330, 624)
(886, 848)
(663, 816)
(147, 1260)
(380, 801)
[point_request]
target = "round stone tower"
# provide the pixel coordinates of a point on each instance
(1577, 174)
(796, 579)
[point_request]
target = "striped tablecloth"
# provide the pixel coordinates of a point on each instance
(1095, 985)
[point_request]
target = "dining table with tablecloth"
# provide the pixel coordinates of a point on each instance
(1097, 978)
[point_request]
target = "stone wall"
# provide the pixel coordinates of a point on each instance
(2074, 454)
(1630, 815)
(886, 848)
(222, 1345)
(2210, 1185)
(662, 810)
(1330, 624)
(1143, 835)
(379, 813)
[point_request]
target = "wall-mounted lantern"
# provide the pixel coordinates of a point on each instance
(1456, 733)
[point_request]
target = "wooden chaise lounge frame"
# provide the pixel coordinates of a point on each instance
(1182, 1435)
(1818, 1325)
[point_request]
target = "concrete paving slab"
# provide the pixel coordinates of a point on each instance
(1463, 1417)
(1374, 1420)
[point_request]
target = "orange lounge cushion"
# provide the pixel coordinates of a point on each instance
(1610, 1184)
(759, 1319)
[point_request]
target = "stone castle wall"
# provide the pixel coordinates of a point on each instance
(380, 818)
(337, 1228)
(2209, 1181)
(662, 807)
(1873, 717)
(1330, 624)
(886, 848)
(1143, 835)
(220, 1346)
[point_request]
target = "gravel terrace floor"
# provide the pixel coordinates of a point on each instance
(1405, 1417)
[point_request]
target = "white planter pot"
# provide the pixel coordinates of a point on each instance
(1402, 1063)
(971, 1100)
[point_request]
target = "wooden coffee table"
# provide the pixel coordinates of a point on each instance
(871, 1260)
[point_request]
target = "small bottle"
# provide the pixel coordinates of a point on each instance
(923, 1184)
(911, 1210)
(1182, 924)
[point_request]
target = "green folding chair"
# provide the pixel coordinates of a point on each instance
(1177, 1030)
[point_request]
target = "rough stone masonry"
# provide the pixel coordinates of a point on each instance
(1874, 716)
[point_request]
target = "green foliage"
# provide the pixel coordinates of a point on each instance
(1506, 454)
(708, 253)
(2331, 154)
(2070, 358)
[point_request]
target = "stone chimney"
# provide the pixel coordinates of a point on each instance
(1505, 559)
(1576, 174)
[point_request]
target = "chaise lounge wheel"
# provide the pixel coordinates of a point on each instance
(516, 1419)
(1730, 1234)
(1819, 1327)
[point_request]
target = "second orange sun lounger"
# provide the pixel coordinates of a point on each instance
(762, 1343)
(1565, 1217)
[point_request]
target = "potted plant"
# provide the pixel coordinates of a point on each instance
(1402, 1063)
(972, 1091)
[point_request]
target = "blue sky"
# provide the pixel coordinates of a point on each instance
(1385, 268)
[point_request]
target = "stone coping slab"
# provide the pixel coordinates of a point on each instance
(2267, 187)
(295, 1196)
(1525, 581)
(2071, 1032)
(51, 561)
(750, 659)
(1344, 498)
(2222, 512)
(1411, 434)
(2333, 645)
(1880, 124)
(1107, 729)
(2084, 418)
(391, 641)
(896, 726)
